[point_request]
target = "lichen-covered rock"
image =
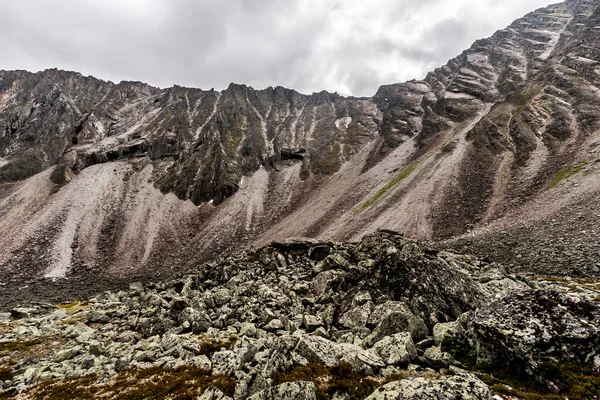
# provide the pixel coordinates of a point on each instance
(325, 281)
(198, 321)
(274, 325)
(224, 362)
(396, 349)
(436, 358)
(300, 390)
(366, 361)
(444, 329)
(318, 350)
(357, 317)
(248, 329)
(212, 393)
(255, 322)
(392, 317)
(536, 326)
(312, 322)
(435, 289)
(280, 357)
(457, 387)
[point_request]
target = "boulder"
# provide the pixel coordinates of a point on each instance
(532, 327)
(434, 288)
(221, 297)
(22, 312)
(274, 325)
(396, 349)
(280, 356)
(248, 329)
(212, 393)
(436, 358)
(224, 362)
(155, 326)
(318, 350)
(392, 317)
(457, 387)
(445, 329)
(96, 317)
(312, 322)
(356, 318)
(201, 361)
(67, 354)
(366, 361)
(361, 298)
(325, 281)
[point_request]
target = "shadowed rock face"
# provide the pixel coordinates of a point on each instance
(499, 146)
(538, 325)
(207, 140)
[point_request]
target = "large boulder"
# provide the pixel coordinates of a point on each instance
(396, 349)
(458, 387)
(325, 281)
(365, 361)
(536, 326)
(437, 287)
(393, 317)
(356, 318)
(316, 349)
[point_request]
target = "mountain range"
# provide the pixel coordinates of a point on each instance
(439, 240)
(496, 153)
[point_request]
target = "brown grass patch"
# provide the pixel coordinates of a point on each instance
(184, 383)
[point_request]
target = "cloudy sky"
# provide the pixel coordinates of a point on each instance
(348, 46)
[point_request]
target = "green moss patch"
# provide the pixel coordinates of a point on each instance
(576, 381)
(399, 177)
(461, 350)
(73, 306)
(564, 174)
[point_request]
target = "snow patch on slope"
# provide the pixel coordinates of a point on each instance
(342, 123)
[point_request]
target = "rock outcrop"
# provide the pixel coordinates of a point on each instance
(529, 328)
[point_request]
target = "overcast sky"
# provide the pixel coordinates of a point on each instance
(348, 46)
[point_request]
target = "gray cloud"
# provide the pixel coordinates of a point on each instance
(349, 46)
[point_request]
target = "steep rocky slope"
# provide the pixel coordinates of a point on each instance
(496, 152)
(383, 318)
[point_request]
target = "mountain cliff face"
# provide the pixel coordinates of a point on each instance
(497, 152)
